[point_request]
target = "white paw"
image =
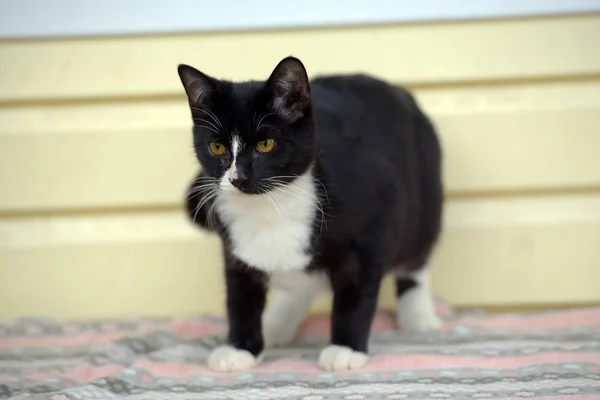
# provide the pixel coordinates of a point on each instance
(230, 359)
(341, 358)
(419, 323)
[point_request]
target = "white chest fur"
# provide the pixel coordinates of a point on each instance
(272, 232)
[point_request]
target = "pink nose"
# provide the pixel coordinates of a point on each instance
(238, 178)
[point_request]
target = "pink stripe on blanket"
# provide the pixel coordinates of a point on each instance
(83, 373)
(53, 341)
(318, 325)
(315, 325)
(581, 318)
(188, 330)
(184, 329)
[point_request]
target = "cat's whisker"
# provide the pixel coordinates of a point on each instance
(261, 119)
(318, 203)
(212, 215)
(195, 193)
(324, 188)
(270, 126)
(209, 219)
(217, 120)
(212, 198)
(200, 188)
(296, 176)
(274, 179)
(280, 187)
(204, 179)
(209, 196)
(212, 126)
(275, 204)
(283, 184)
(204, 185)
(272, 202)
(201, 177)
(210, 114)
(276, 197)
(198, 207)
(207, 128)
(281, 176)
(274, 193)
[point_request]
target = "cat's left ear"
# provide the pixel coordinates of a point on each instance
(200, 88)
(289, 89)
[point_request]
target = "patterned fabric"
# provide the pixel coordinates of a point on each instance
(550, 355)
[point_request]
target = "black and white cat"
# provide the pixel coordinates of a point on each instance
(317, 185)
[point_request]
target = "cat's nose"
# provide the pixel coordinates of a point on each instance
(238, 178)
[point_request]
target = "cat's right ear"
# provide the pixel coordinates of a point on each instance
(199, 87)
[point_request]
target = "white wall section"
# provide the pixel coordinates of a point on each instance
(59, 18)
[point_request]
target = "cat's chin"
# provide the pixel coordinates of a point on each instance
(235, 193)
(238, 193)
(231, 191)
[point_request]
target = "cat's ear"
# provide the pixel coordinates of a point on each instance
(199, 87)
(289, 89)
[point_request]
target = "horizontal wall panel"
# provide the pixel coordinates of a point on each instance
(528, 251)
(495, 138)
(427, 53)
(96, 170)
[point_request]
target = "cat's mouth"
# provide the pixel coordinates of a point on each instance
(249, 191)
(242, 190)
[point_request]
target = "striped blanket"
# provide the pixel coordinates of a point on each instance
(549, 355)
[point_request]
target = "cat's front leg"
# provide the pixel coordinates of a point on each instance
(355, 293)
(246, 294)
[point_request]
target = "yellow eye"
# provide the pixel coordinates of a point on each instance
(266, 145)
(216, 148)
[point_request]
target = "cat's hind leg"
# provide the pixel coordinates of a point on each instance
(283, 316)
(415, 310)
(292, 296)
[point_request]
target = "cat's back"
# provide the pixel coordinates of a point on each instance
(361, 107)
(376, 149)
(363, 118)
(360, 91)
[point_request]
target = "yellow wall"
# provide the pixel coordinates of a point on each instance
(95, 156)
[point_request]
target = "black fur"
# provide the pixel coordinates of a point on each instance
(377, 157)
(246, 296)
(403, 285)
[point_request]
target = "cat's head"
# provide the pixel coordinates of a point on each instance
(250, 135)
